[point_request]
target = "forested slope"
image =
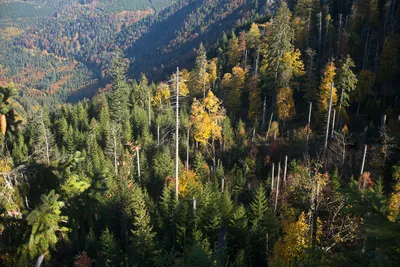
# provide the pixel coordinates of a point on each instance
(278, 146)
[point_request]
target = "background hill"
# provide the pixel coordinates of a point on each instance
(52, 48)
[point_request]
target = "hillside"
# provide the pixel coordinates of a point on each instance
(154, 35)
(258, 136)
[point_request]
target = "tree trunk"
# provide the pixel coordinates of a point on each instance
(257, 60)
(308, 30)
(340, 108)
(264, 113)
(333, 123)
(365, 51)
(269, 125)
(177, 137)
(149, 108)
(326, 33)
(115, 155)
(277, 186)
(319, 32)
(40, 260)
(187, 148)
(158, 135)
(308, 129)
(327, 127)
(3, 124)
(285, 170)
(138, 164)
(363, 161)
(340, 31)
(272, 176)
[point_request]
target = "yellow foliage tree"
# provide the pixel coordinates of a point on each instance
(234, 54)
(253, 36)
(284, 104)
(212, 70)
(394, 200)
(293, 66)
(291, 245)
(325, 88)
(206, 117)
(233, 85)
(274, 129)
(162, 95)
(188, 180)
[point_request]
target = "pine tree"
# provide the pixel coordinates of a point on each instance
(199, 75)
(280, 41)
(109, 248)
(366, 80)
(143, 235)
(113, 147)
(346, 80)
(119, 95)
(388, 68)
(46, 221)
(258, 207)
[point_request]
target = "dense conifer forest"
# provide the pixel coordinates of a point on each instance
(200, 133)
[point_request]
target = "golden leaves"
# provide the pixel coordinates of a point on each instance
(293, 62)
(325, 88)
(291, 245)
(162, 95)
(205, 117)
(284, 104)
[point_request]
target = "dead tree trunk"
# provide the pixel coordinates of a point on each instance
(187, 148)
(340, 31)
(138, 164)
(308, 129)
(269, 125)
(285, 170)
(327, 126)
(177, 137)
(277, 186)
(363, 161)
(264, 113)
(272, 176)
(333, 123)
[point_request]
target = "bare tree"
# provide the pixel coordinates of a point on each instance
(113, 145)
(327, 126)
(308, 129)
(177, 136)
(44, 140)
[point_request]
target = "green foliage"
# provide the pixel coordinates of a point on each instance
(47, 225)
(346, 80)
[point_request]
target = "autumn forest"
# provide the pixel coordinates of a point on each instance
(199, 133)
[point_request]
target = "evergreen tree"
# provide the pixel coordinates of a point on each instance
(143, 236)
(119, 97)
(346, 80)
(280, 41)
(47, 225)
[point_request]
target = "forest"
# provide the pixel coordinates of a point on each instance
(270, 138)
